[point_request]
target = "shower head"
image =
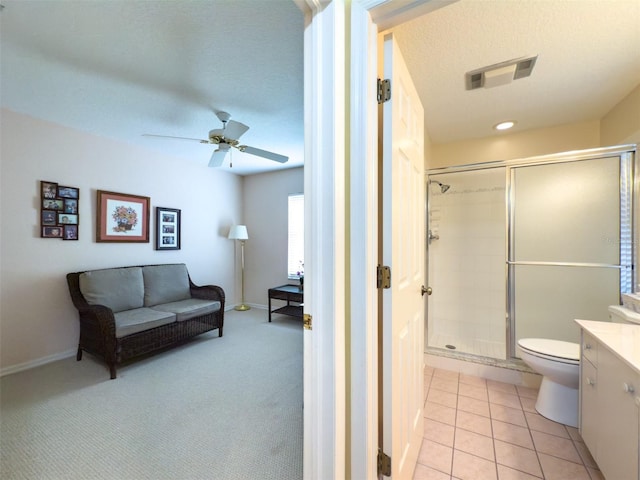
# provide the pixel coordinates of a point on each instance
(443, 187)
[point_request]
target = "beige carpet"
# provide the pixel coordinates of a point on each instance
(214, 408)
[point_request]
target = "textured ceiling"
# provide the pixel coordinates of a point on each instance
(588, 60)
(125, 68)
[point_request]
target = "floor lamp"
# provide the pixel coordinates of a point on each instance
(239, 232)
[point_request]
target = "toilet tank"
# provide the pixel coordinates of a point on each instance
(621, 314)
(631, 301)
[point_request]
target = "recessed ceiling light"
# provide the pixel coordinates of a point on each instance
(504, 125)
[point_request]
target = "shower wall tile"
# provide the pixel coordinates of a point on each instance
(467, 268)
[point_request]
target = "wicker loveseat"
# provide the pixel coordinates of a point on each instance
(129, 311)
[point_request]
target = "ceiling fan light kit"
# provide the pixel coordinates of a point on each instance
(227, 137)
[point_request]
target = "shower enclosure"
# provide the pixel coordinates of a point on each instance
(522, 248)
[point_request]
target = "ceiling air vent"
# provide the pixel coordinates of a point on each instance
(474, 81)
(500, 73)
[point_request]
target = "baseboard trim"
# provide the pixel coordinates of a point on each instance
(37, 362)
(70, 353)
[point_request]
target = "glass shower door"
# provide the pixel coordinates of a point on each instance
(466, 262)
(569, 239)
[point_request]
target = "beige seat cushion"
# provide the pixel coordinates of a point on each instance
(187, 309)
(140, 319)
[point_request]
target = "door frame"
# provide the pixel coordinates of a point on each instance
(324, 413)
(341, 208)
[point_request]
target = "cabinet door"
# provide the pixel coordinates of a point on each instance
(617, 451)
(589, 412)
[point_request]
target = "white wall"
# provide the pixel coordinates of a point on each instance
(37, 319)
(509, 146)
(622, 124)
(265, 214)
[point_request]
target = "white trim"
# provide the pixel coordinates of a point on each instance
(37, 362)
(363, 248)
(324, 346)
(390, 13)
(325, 256)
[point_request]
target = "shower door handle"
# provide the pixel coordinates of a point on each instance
(427, 290)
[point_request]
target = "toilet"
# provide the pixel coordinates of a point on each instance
(559, 364)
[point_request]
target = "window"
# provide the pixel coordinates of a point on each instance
(295, 257)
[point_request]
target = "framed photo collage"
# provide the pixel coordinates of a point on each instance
(59, 211)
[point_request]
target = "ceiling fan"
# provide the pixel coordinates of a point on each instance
(227, 137)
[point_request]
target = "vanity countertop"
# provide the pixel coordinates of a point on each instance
(622, 339)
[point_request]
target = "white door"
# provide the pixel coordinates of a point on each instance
(403, 250)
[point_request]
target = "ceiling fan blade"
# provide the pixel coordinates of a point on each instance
(176, 138)
(263, 153)
(234, 130)
(217, 157)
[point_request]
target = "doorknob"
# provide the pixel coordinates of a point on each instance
(427, 290)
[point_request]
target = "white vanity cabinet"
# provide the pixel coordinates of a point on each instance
(609, 392)
(589, 393)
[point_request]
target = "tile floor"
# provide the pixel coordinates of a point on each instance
(477, 429)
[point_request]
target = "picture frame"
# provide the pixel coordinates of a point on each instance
(122, 217)
(168, 228)
(52, 204)
(68, 192)
(52, 232)
(59, 207)
(49, 218)
(48, 190)
(70, 232)
(71, 205)
(67, 218)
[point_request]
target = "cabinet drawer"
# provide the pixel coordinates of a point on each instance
(589, 348)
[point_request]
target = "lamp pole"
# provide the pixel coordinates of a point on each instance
(242, 307)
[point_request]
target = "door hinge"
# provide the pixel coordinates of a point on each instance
(384, 90)
(384, 463)
(307, 321)
(384, 276)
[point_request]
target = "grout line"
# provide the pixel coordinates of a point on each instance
(455, 428)
(493, 437)
(533, 442)
(574, 441)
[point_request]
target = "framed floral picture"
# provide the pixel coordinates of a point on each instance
(167, 228)
(122, 217)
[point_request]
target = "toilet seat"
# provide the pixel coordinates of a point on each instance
(554, 350)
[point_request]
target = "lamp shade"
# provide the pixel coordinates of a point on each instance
(238, 232)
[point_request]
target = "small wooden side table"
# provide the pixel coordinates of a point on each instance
(292, 294)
